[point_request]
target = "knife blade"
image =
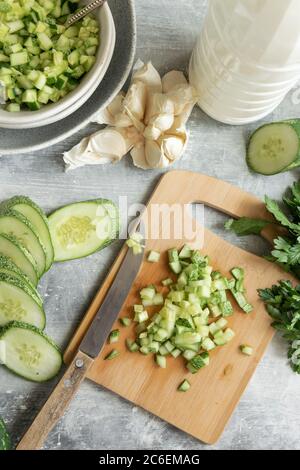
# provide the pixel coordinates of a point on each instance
(107, 314)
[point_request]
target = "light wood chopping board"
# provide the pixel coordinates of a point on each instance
(204, 411)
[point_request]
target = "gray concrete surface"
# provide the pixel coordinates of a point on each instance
(268, 416)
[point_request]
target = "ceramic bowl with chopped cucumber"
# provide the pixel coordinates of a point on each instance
(48, 71)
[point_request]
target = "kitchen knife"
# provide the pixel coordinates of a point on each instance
(89, 349)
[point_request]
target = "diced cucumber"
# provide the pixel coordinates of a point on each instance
(83, 228)
(112, 355)
(275, 147)
(246, 349)
(17, 302)
(13, 107)
(8, 267)
(153, 257)
(14, 223)
(38, 219)
(30, 353)
(11, 248)
(184, 386)
(19, 58)
(114, 336)
(161, 361)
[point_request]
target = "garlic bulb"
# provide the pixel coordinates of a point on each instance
(149, 121)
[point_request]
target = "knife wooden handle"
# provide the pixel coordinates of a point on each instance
(57, 403)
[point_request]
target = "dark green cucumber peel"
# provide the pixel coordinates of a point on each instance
(11, 214)
(4, 331)
(5, 442)
(13, 240)
(275, 148)
(7, 266)
(17, 203)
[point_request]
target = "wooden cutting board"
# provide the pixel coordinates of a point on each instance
(204, 411)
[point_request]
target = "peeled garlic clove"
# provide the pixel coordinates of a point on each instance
(139, 157)
(148, 75)
(158, 104)
(173, 147)
(173, 79)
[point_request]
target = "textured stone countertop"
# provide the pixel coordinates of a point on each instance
(268, 416)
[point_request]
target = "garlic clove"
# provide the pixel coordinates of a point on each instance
(152, 133)
(148, 75)
(173, 147)
(173, 79)
(158, 125)
(181, 96)
(154, 156)
(158, 104)
(135, 104)
(139, 157)
(108, 142)
(72, 157)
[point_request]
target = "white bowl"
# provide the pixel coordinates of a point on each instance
(54, 112)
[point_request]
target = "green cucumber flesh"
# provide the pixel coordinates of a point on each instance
(9, 268)
(39, 221)
(275, 147)
(14, 223)
(18, 303)
(11, 248)
(80, 229)
(29, 353)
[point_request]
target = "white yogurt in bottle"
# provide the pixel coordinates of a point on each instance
(247, 58)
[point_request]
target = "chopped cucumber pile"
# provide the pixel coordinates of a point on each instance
(193, 315)
(41, 60)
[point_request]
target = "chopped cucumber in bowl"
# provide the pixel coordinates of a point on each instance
(41, 61)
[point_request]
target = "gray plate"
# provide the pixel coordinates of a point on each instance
(13, 141)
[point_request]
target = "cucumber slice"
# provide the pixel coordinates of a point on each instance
(9, 268)
(80, 229)
(10, 247)
(29, 353)
(274, 148)
(39, 221)
(17, 302)
(14, 223)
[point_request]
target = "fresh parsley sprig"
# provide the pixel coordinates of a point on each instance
(283, 305)
(286, 250)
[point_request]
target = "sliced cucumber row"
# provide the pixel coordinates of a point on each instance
(28, 247)
(9, 268)
(81, 229)
(18, 302)
(274, 148)
(29, 353)
(34, 214)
